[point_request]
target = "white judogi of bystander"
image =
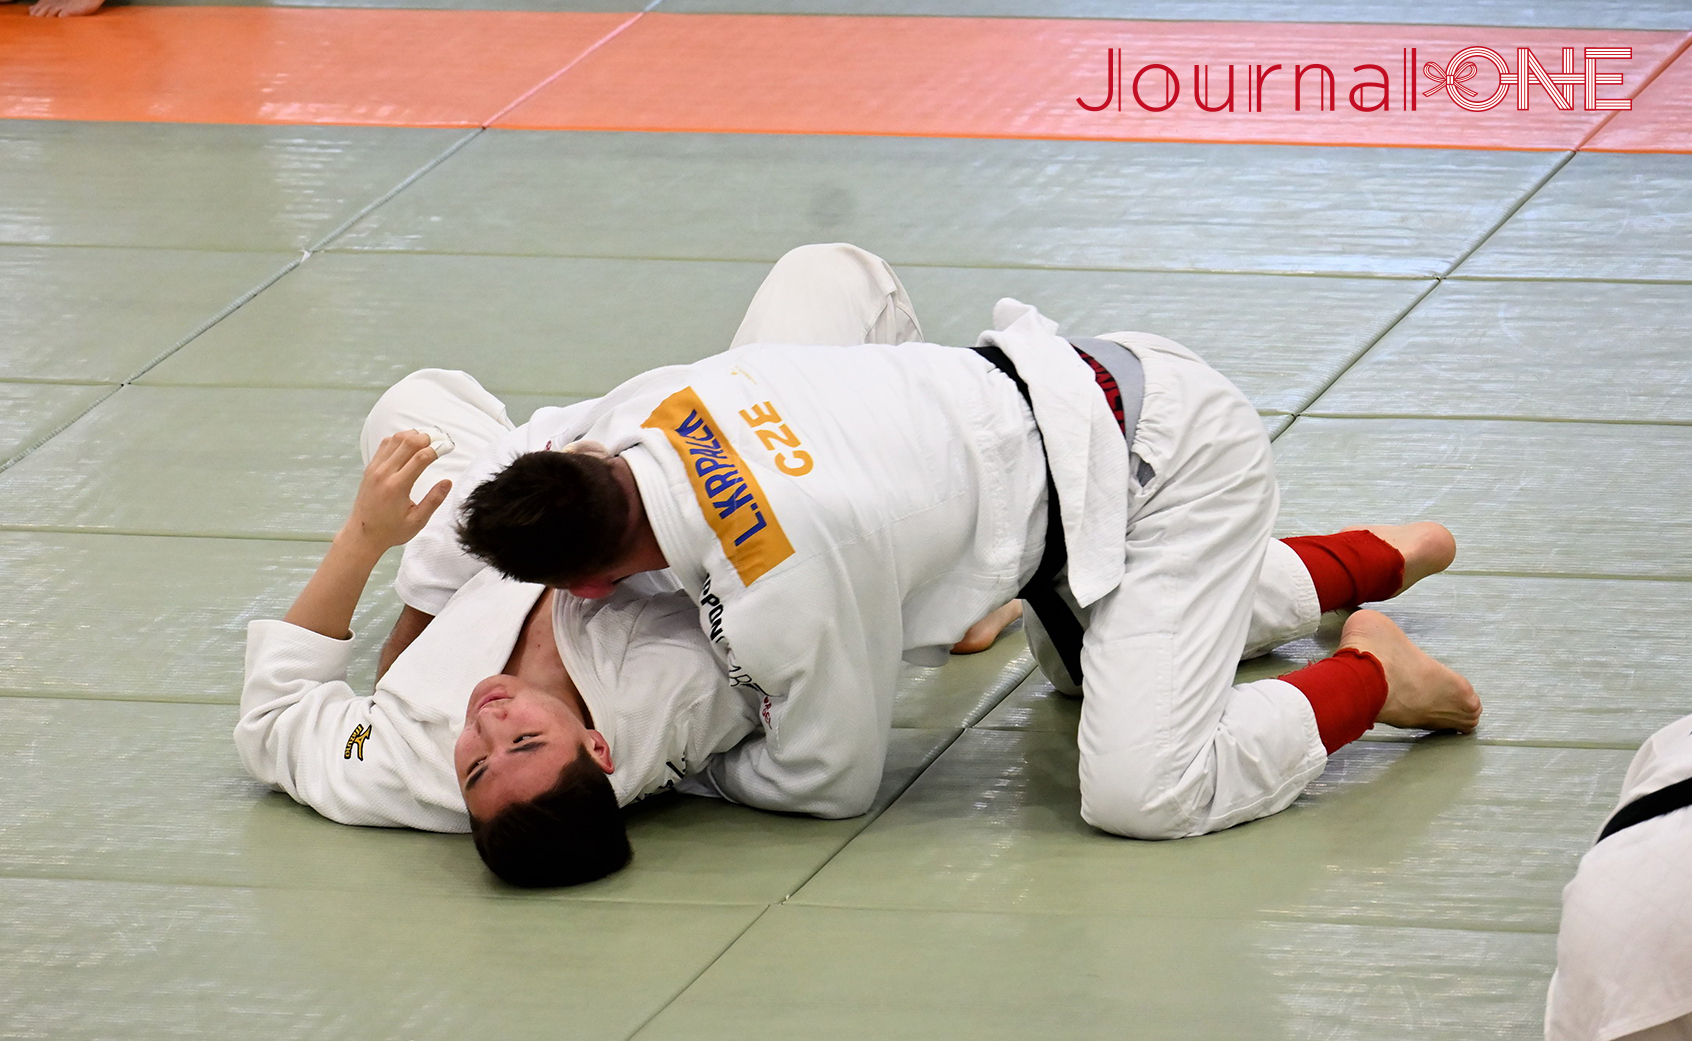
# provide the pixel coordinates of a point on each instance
(638, 659)
(832, 510)
(1624, 950)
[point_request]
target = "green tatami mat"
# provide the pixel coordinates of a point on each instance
(1004, 203)
(102, 960)
(965, 688)
(156, 793)
(1537, 498)
(1648, 14)
(581, 326)
(531, 324)
(31, 411)
(1279, 338)
(165, 619)
(1602, 216)
(1442, 832)
(197, 461)
(1035, 704)
(100, 315)
(825, 973)
(197, 186)
(1533, 350)
(1584, 662)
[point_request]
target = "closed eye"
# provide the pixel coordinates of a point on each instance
(478, 768)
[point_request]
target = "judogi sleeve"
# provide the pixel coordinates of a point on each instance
(828, 675)
(354, 759)
(434, 565)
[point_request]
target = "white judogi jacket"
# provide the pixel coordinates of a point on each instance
(1624, 957)
(831, 508)
(637, 658)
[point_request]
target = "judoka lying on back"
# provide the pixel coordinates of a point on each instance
(624, 689)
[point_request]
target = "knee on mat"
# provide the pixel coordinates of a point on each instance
(1135, 811)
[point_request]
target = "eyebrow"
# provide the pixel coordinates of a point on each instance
(470, 781)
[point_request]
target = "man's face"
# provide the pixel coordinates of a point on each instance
(515, 741)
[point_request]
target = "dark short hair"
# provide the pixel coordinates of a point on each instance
(569, 834)
(549, 517)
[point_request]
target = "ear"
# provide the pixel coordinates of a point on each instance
(592, 588)
(600, 750)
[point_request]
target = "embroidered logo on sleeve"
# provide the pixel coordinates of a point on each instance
(356, 740)
(734, 506)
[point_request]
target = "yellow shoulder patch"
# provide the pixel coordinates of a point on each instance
(734, 506)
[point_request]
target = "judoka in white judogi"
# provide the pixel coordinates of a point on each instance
(830, 511)
(1624, 957)
(638, 659)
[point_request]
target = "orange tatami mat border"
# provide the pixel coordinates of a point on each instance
(812, 74)
(1661, 119)
(285, 65)
(997, 77)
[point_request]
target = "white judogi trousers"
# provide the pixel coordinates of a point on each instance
(1169, 745)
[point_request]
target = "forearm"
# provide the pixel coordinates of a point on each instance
(327, 602)
(407, 628)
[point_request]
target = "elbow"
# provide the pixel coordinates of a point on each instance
(840, 809)
(252, 745)
(830, 802)
(839, 801)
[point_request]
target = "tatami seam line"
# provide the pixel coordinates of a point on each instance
(1504, 218)
(1461, 417)
(1479, 242)
(872, 817)
(1264, 917)
(424, 891)
(683, 989)
(1385, 276)
(305, 255)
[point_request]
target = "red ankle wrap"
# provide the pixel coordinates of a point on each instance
(1350, 567)
(1346, 692)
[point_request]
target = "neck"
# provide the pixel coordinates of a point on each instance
(643, 552)
(536, 660)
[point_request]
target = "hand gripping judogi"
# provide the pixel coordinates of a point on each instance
(829, 510)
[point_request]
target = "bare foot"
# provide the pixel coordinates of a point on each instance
(64, 8)
(982, 634)
(1422, 694)
(1428, 548)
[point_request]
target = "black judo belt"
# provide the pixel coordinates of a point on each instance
(1676, 796)
(1122, 382)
